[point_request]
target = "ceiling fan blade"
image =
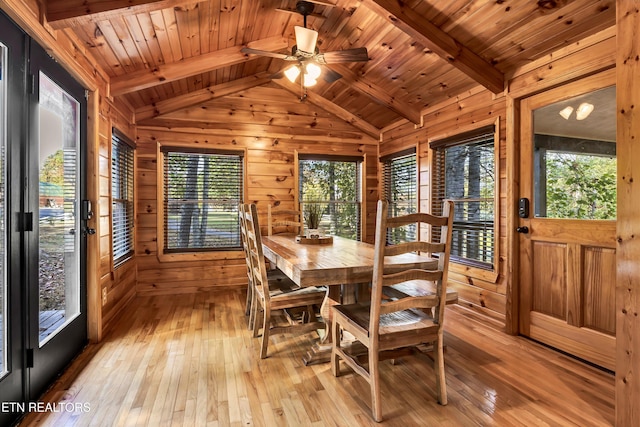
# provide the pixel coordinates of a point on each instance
(277, 76)
(330, 76)
(250, 51)
(358, 54)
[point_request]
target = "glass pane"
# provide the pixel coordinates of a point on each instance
(401, 191)
(202, 193)
(575, 157)
(331, 188)
(4, 342)
(470, 183)
(58, 204)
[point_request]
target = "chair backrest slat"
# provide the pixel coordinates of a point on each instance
(284, 218)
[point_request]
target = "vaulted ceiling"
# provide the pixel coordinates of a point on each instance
(168, 56)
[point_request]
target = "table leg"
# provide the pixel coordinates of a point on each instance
(320, 352)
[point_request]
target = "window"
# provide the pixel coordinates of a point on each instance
(121, 197)
(575, 165)
(399, 179)
(332, 184)
(464, 172)
(202, 191)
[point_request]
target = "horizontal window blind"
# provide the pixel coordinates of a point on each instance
(202, 192)
(399, 175)
(122, 216)
(465, 174)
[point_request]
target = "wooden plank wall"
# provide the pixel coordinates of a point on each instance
(118, 283)
(476, 107)
(271, 141)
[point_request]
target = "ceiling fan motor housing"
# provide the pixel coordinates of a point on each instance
(304, 8)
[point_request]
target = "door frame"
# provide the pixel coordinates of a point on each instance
(12, 385)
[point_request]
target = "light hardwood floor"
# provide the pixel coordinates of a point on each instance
(190, 360)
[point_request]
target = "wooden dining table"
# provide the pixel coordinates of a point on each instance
(341, 262)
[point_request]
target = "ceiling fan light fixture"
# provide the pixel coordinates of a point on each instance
(308, 80)
(306, 39)
(583, 110)
(313, 70)
(292, 73)
(566, 112)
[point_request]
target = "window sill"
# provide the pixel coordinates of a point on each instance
(490, 276)
(201, 256)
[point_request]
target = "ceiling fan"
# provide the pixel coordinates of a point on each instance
(310, 62)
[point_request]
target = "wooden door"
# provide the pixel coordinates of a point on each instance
(567, 237)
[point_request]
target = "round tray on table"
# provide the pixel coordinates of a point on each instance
(314, 240)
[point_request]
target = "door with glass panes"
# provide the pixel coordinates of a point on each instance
(567, 218)
(43, 322)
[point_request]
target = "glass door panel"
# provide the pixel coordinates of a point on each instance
(59, 285)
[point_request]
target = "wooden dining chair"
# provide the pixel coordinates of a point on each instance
(273, 295)
(383, 325)
(274, 275)
(284, 221)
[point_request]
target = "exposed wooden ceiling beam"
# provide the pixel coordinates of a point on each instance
(332, 108)
(378, 94)
(68, 13)
(300, 133)
(166, 73)
(432, 37)
(200, 96)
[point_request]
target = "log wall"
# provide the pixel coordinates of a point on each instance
(116, 285)
(271, 140)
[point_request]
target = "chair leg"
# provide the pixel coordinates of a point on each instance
(374, 382)
(254, 323)
(438, 367)
(247, 307)
(266, 324)
(335, 361)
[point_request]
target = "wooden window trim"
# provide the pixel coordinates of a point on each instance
(490, 276)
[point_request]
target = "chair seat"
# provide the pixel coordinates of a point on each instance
(285, 293)
(400, 324)
(417, 288)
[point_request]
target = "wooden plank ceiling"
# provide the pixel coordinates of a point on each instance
(168, 58)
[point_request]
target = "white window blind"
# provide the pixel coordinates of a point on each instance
(202, 191)
(122, 219)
